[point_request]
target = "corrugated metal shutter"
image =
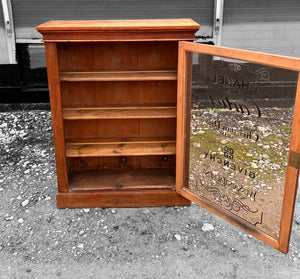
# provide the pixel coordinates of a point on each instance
(28, 14)
(3, 44)
(268, 26)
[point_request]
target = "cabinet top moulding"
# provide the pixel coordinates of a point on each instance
(118, 30)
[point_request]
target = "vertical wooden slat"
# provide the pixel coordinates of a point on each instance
(183, 116)
(288, 206)
(57, 115)
(187, 117)
(295, 142)
(292, 174)
(181, 112)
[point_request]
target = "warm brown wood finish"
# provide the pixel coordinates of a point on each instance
(128, 112)
(94, 148)
(118, 92)
(185, 49)
(95, 128)
(57, 116)
(118, 30)
(114, 93)
(245, 55)
(118, 56)
(161, 25)
(113, 198)
(124, 179)
(290, 190)
(113, 90)
(118, 76)
(181, 119)
(121, 162)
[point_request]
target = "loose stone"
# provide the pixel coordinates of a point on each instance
(25, 202)
(177, 236)
(207, 227)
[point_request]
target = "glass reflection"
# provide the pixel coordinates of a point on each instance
(241, 116)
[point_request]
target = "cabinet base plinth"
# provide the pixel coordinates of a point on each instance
(116, 199)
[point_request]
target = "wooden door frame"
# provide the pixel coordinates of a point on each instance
(182, 151)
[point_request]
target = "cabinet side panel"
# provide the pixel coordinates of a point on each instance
(57, 115)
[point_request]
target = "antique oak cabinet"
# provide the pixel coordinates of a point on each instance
(113, 94)
(142, 116)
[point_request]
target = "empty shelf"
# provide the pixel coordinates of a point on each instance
(106, 179)
(120, 147)
(119, 75)
(124, 112)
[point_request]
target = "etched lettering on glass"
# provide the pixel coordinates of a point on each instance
(239, 141)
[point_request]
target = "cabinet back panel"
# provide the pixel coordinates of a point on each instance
(99, 93)
(118, 93)
(89, 163)
(119, 128)
(81, 129)
(158, 55)
(159, 92)
(118, 56)
(75, 129)
(158, 127)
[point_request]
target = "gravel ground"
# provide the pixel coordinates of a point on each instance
(38, 240)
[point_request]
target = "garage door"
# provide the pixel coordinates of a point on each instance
(268, 26)
(28, 14)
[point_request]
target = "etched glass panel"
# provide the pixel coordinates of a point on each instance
(241, 117)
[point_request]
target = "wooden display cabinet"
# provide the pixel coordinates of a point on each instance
(113, 94)
(130, 130)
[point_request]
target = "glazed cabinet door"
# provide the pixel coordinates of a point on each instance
(238, 137)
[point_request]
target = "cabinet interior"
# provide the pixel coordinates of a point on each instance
(119, 114)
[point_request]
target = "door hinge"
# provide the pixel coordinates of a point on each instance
(294, 161)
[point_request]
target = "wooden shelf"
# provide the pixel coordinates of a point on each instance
(120, 147)
(122, 179)
(120, 112)
(115, 79)
(119, 75)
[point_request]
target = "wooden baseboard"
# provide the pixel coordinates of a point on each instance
(143, 198)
